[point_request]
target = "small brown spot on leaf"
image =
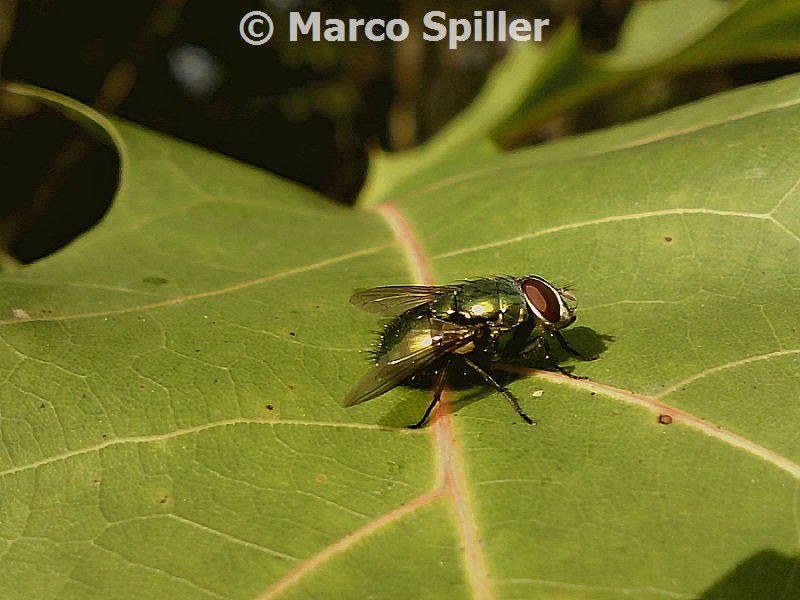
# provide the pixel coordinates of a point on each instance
(667, 239)
(665, 419)
(321, 478)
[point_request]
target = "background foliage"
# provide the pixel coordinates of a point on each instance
(170, 381)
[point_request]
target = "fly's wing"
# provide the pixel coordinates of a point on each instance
(394, 300)
(419, 348)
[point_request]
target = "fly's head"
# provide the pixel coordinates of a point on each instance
(553, 308)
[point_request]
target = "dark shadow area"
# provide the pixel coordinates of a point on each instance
(307, 110)
(767, 575)
(58, 181)
(585, 340)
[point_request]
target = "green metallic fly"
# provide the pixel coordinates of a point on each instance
(477, 321)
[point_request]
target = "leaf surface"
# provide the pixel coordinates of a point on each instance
(170, 383)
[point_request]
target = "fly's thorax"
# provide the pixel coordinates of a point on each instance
(497, 301)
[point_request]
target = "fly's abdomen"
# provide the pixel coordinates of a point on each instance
(416, 320)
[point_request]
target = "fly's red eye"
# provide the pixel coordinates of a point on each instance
(543, 298)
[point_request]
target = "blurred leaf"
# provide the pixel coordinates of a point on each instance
(537, 82)
(170, 382)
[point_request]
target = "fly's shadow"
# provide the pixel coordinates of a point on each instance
(470, 386)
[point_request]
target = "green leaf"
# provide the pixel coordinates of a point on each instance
(538, 82)
(170, 383)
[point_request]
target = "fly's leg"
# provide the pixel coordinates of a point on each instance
(490, 380)
(541, 342)
(437, 394)
(570, 349)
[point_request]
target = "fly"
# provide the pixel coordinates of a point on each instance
(477, 321)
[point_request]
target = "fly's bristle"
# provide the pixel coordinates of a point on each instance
(380, 346)
(375, 351)
(391, 333)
